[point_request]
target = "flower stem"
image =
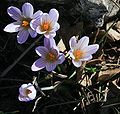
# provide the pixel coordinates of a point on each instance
(80, 71)
(19, 58)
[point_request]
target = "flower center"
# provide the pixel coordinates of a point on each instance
(77, 54)
(25, 23)
(28, 91)
(46, 25)
(51, 57)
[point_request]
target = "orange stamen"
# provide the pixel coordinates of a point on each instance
(25, 23)
(79, 53)
(29, 92)
(46, 25)
(51, 56)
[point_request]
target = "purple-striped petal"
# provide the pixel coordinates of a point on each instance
(27, 9)
(83, 42)
(32, 33)
(54, 15)
(12, 27)
(14, 12)
(22, 36)
(38, 64)
(41, 51)
(49, 43)
(61, 58)
(91, 49)
(35, 23)
(77, 63)
(50, 66)
(37, 14)
(72, 42)
(45, 17)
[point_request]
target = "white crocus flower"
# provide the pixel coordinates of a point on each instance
(81, 51)
(27, 92)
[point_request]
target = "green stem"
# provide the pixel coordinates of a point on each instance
(107, 31)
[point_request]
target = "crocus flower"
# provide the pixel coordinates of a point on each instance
(81, 51)
(27, 92)
(22, 23)
(50, 56)
(47, 24)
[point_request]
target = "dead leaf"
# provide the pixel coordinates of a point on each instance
(113, 33)
(59, 75)
(108, 74)
(61, 46)
(117, 26)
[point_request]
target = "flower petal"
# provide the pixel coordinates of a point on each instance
(14, 12)
(86, 57)
(22, 36)
(37, 14)
(23, 86)
(50, 35)
(54, 15)
(56, 27)
(91, 49)
(27, 9)
(38, 64)
(33, 94)
(45, 17)
(38, 30)
(12, 27)
(50, 66)
(41, 51)
(35, 23)
(83, 42)
(49, 43)
(72, 42)
(32, 33)
(61, 58)
(22, 98)
(71, 54)
(77, 64)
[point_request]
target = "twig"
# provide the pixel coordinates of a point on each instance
(115, 3)
(65, 103)
(36, 104)
(19, 58)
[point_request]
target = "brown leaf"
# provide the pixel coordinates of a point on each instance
(61, 46)
(108, 74)
(113, 33)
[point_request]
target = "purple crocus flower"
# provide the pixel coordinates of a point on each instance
(27, 92)
(50, 56)
(47, 24)
(81, 51)
(22, 23)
